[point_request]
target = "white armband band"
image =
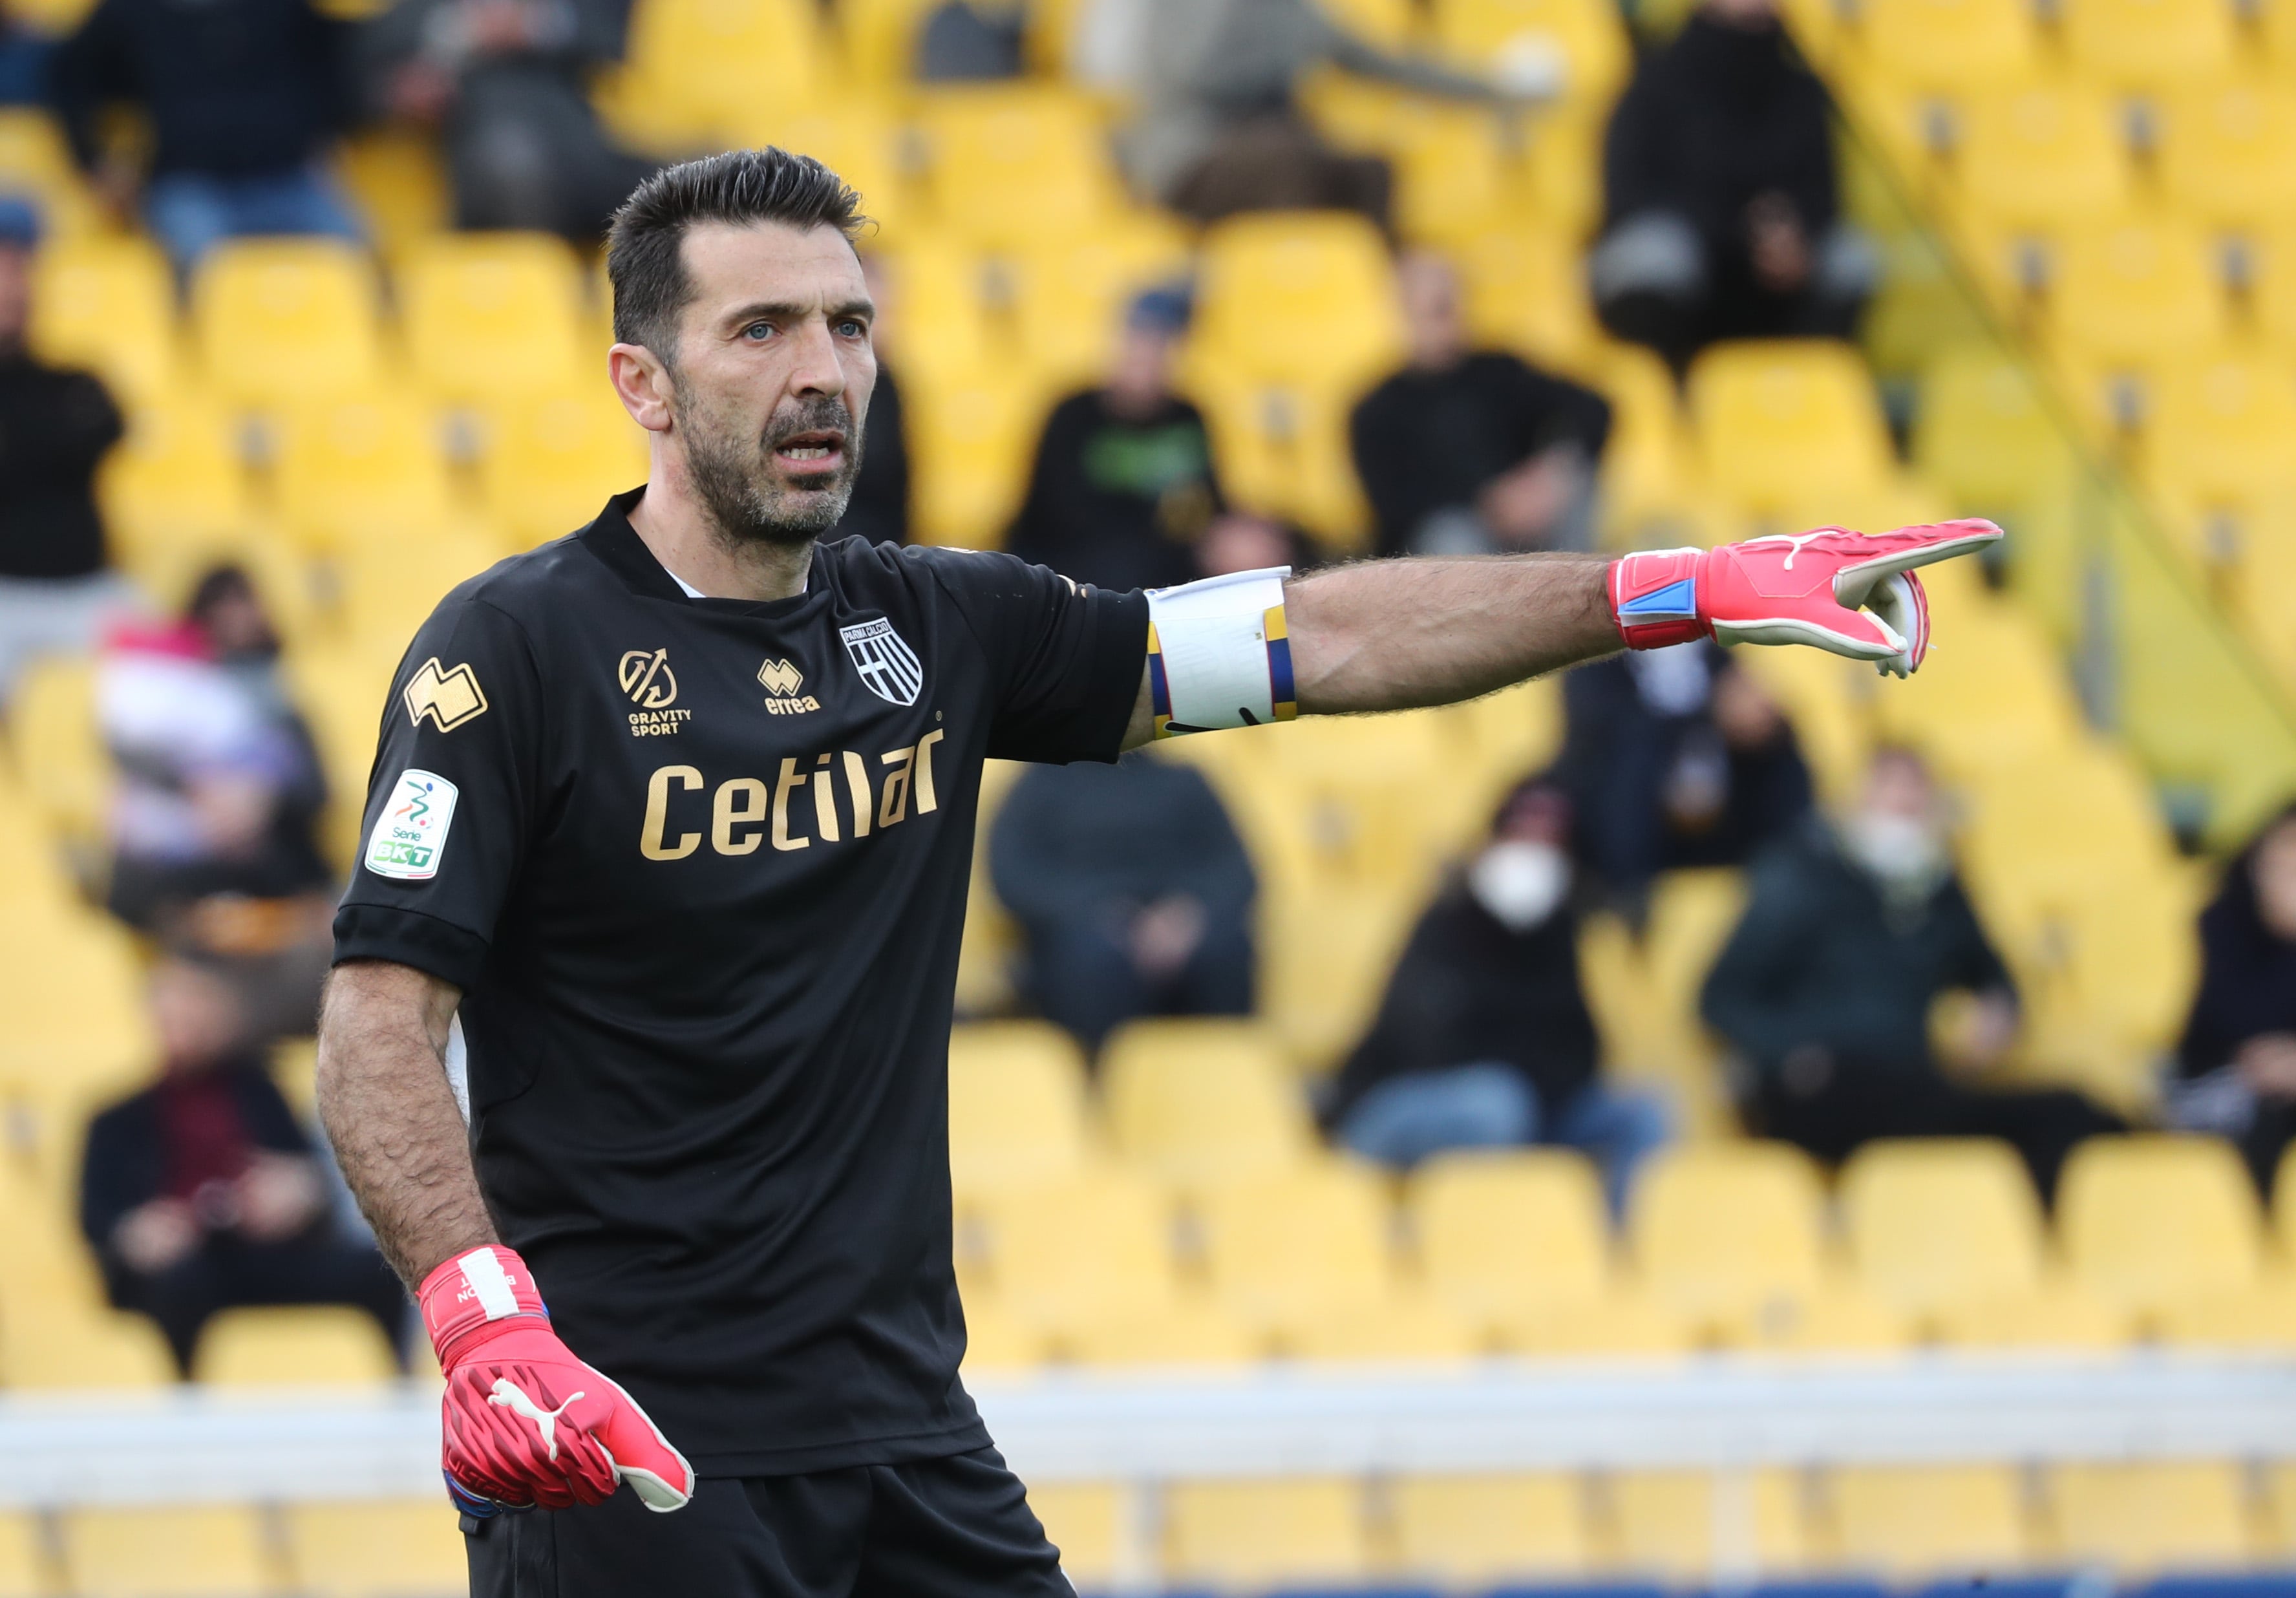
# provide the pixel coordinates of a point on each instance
(1218, 655)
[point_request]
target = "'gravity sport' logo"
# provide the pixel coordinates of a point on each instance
(645, 676)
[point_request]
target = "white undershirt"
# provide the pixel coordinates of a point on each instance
(690, 590)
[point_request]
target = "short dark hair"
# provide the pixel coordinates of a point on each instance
(645, 247)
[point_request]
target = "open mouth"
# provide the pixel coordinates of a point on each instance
(811, 452)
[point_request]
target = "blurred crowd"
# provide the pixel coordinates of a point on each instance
(1860, 996)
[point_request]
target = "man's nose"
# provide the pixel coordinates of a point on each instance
(814, 367)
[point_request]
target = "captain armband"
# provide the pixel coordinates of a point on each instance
(1218, 655)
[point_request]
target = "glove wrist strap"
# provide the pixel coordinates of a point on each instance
(464, 1300)
(1654, 597)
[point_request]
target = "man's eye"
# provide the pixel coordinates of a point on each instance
(853, 330)
(759, 330)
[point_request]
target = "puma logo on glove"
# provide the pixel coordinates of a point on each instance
(1831, 588)
(510, 1442)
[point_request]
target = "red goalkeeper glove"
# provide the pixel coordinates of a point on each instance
(1835, 589)
(527, 1425)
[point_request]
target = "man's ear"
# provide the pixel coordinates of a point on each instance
(642, 379)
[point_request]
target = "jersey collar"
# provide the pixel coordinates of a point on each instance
(616, 542)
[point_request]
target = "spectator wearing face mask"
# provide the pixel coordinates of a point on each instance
(1484, 1038)
(2236, 1062)
(1676, 757)
(1851, 936)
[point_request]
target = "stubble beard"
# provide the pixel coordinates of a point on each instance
(748, 495)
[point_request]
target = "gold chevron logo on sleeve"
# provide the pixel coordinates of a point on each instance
(448, 698)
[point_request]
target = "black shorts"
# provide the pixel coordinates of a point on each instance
(953, 1528)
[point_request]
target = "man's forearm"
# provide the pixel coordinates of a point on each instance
(1400, 634)
(389, 1111)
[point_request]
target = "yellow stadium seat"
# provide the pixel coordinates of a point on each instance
(24, 1562)
(1088, 1523)
(2138, 294)
(35, 160)
(2228, 152)
(490, 314)
(1986, 434)
(396, 175)
(2145, 44)
(283, 322)
(548, 464)
(388, 589)
(2146, 1221)
(108, 305)
(1260, 1534)
(176, 478)
(1068, 296)
(389, 1549)
(696, 70)
(1186, 1331)
(1909, 1520)
(1391, 21)
(1723, 1231)
(2218, 431)
(55, 1345)
(997, 1339)
(971, 443)
(1071, 1253)
(1649, 467)
(1286, 1250)
(1689, 1525)
(1780, 421)
(1586, 35)
(1282, 450)
(2181, 1515)
(1934, 1224)
(2059, 1316)
(1474, 1530)
(1505, 1236)
(2043, 156)
(1016, 1106)
(1404, 1326)
(187, 1552)
(937, 325)
(1304, 297)
(880, 39)
(1010, 164)
(1526, 291)
(59, 745)
(2261, 1318)
(1202, 1101)
(363, 468)
(1624, 1323)
(323, 1344)
(1840, 1318)
(1952, 45)
(855, 137)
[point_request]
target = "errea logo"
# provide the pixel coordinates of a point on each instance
(781, 681)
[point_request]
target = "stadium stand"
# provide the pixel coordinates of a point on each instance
(2110, 183)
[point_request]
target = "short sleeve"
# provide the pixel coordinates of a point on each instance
(452, 800)
(1065, 657)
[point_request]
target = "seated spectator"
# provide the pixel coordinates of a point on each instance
(1852, 935)
(1676, 757)
(23, 63)
(1473, 452)
(56, 426)
(1123, 487)
(1220, 130)
(220, 791)
(972, 41)
(2236, 1062)
(244, 97)
(506, 84)
(201, 1192)
(1133, 890)
(1484, 1038)
(1723, 208)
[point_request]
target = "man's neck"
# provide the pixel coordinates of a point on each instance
(671, 523)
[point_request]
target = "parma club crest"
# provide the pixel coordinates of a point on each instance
(888, 667)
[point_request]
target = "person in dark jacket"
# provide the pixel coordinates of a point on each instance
(2237, 1062)
(506, 84)
(201, 1192)
(1484, 1038)
(972, 41)
(1469, 451)
(1676, 757)
(1851, 936)
(57, 591)
(1723, 210)
(1133, 890)
(244, 97)
(1123, 485)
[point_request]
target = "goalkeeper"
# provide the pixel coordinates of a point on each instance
(664, 871)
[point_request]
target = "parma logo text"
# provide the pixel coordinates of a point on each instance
(837, 794)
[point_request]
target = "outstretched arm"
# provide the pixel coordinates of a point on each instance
(1401, 634)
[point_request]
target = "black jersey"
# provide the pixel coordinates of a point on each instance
(699, 867)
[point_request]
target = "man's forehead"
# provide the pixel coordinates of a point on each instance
(731, 263)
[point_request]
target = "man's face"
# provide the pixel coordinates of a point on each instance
(1431, 312)
(773, 376)
(15, 293)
